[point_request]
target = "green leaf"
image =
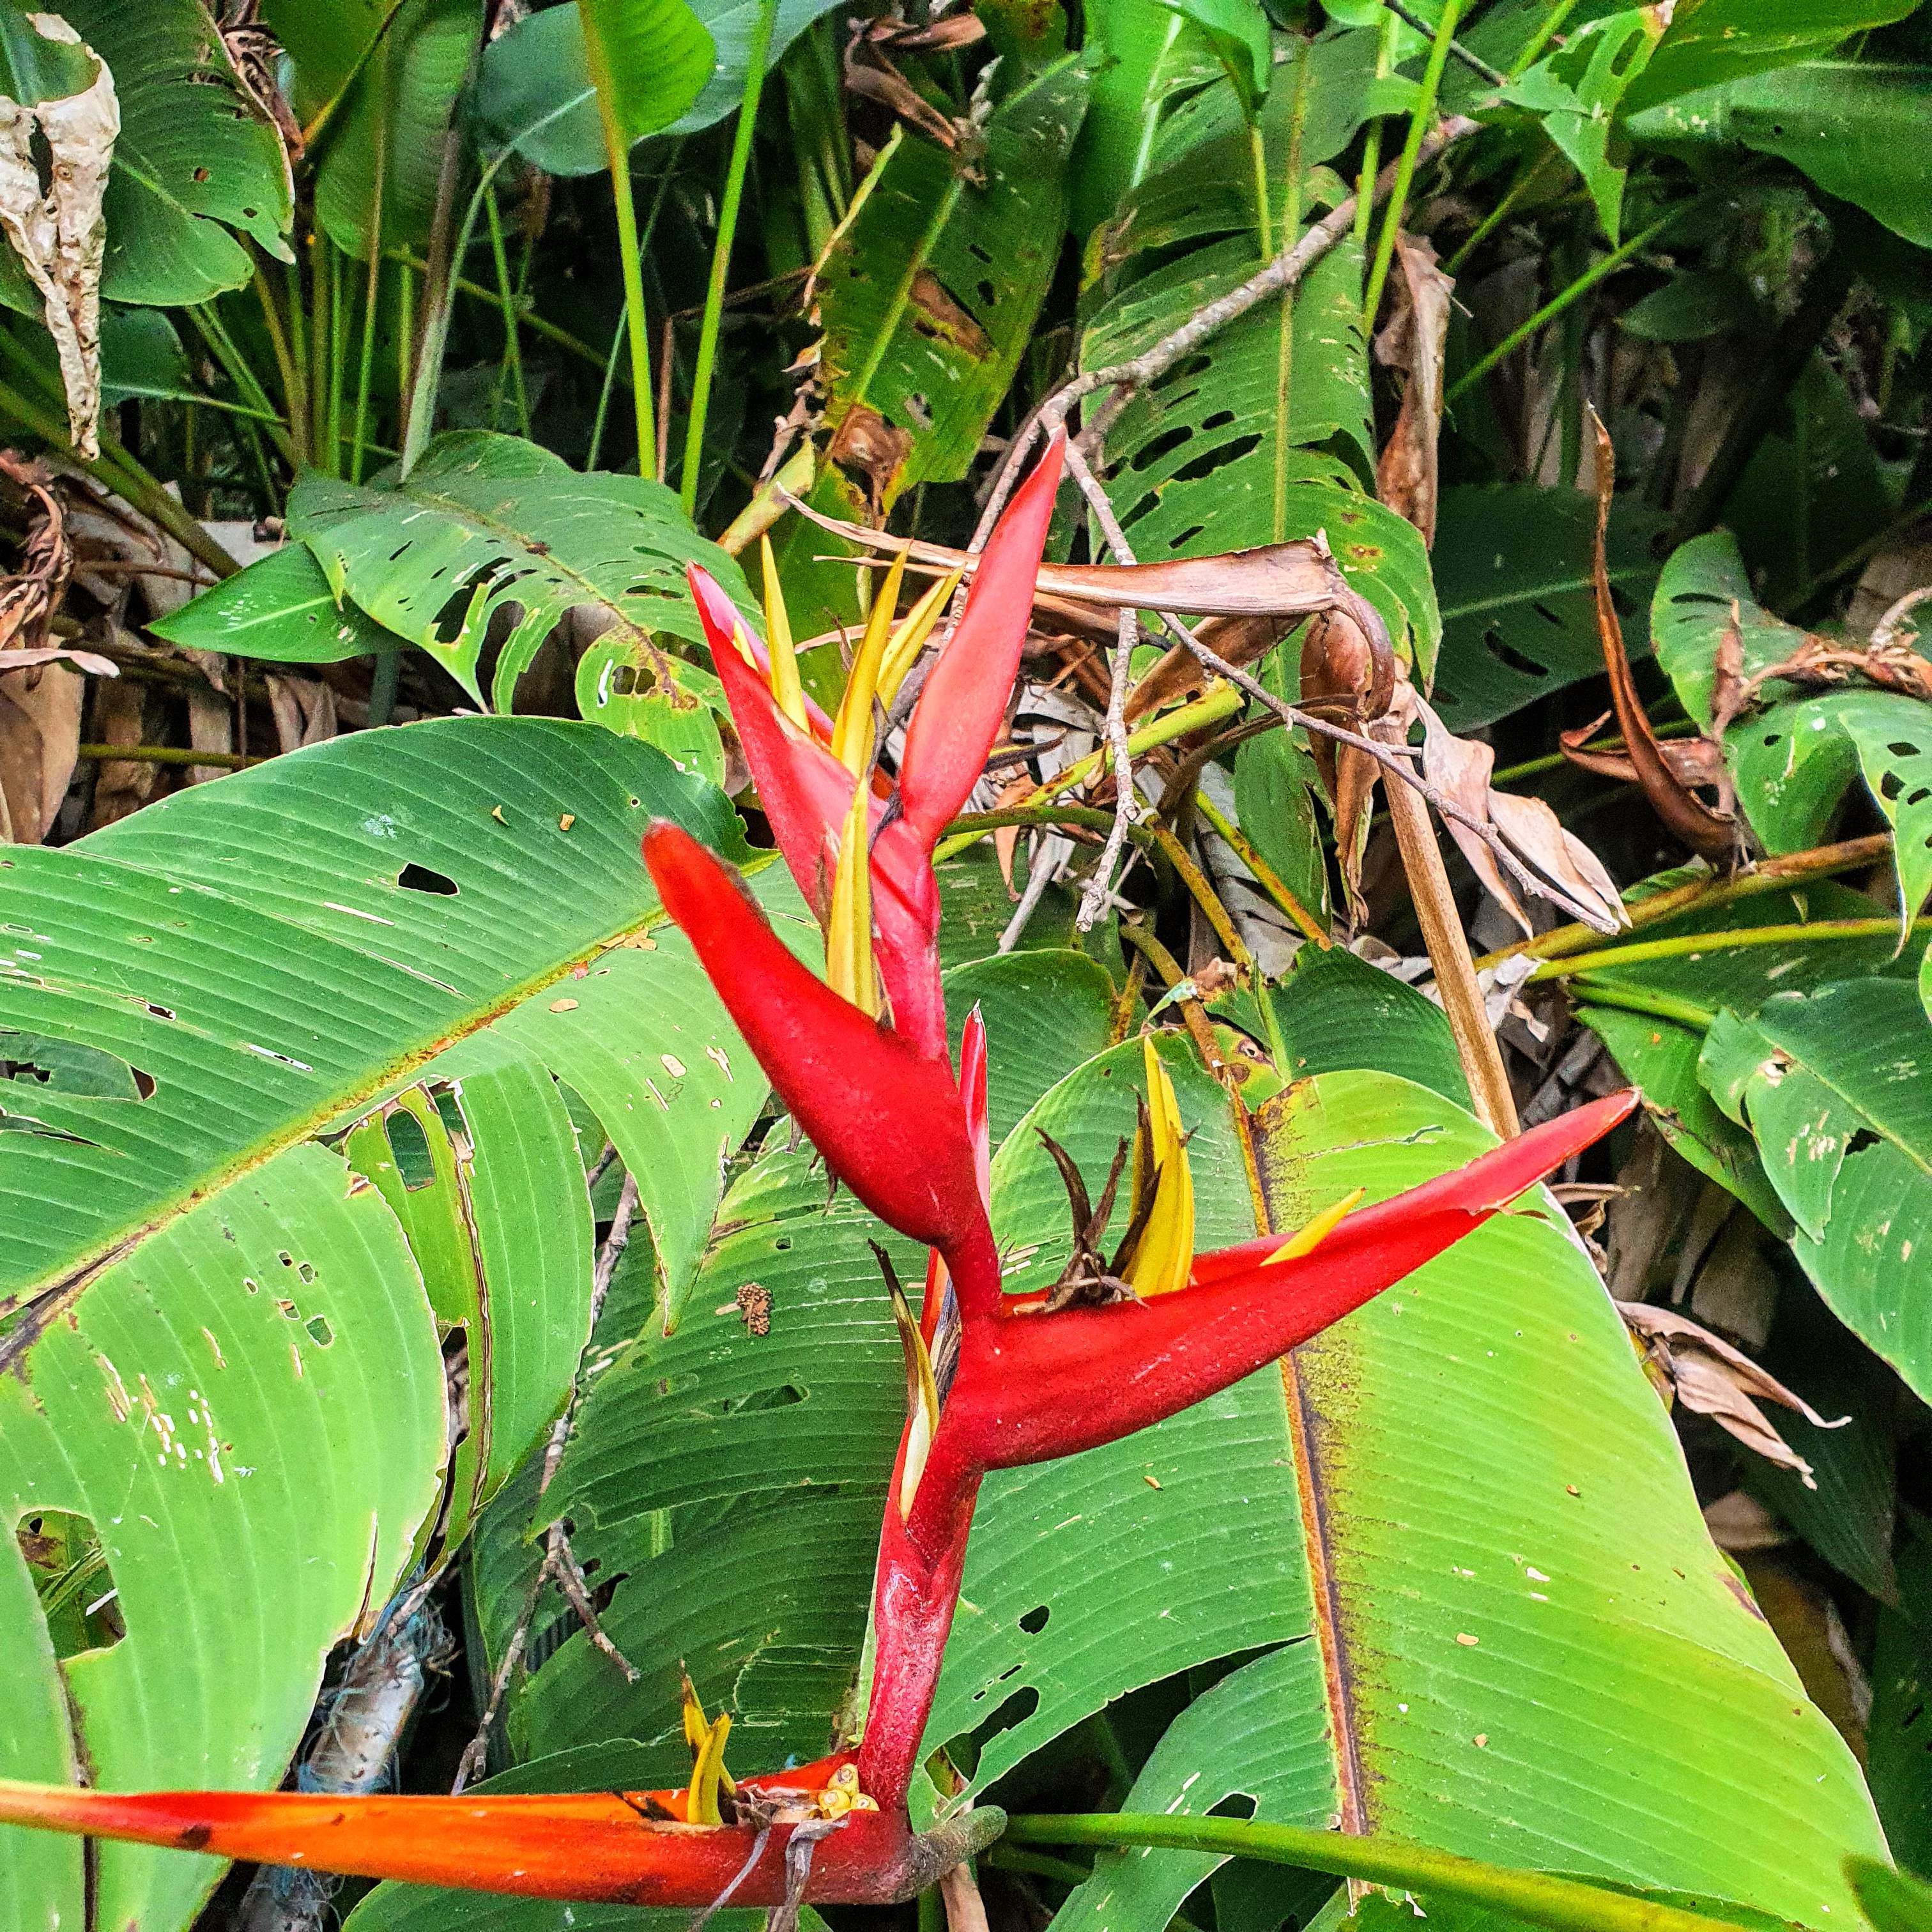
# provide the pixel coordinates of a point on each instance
(1276, 787)
(281, 609)
(194, 159)
(34, 68)
(1700, 583)
(1149, 61)
(326, 45)
(1660, 1058)
(1045, 1012)
(930, 298)
(280, 951)
(1894, 1901)
(1899, 1766)
(1577, 90)
(254, 1397)
(1831, 1084)
(397, 106)
(628, 685)
(1710, 41)
(488, 522)
(1512, 566)
(1793, 763)
(1197, 458)
(1434, 1441)
(649, 58)
(1336, 1012)
(1691, 307)
(977, 907)
(1237, 31)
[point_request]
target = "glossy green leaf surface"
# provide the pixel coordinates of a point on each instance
(259, 1378)
(649, 61)
(930, 296)
(487, 521)
(1457, 1686)
(281, 609)
(1512, 566)
(195, 166)
(1833, 1084)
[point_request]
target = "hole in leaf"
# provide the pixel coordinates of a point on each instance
(78, 1595)
(1034, 1621)
(1505, 653)
(319, 1332)
(414, 878)
(1220, 419)
(1862, 1138)
(1155, 448)
(409, 1147)
(786, 1396)
(1236, 1804)
(1186, 536)
(1903, 750)
(65, 1067)
(1890, 785)
(1217, 459)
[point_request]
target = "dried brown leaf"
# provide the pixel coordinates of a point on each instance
(864, 441)
(303, 708)
(61, 236)
(40, 737)
(870, 74)
(30, 597)
(122, 786)
(1713, 835)
(1711, 1378)
(1240, 641)
(1412, 341)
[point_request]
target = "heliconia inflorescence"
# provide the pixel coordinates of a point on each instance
(993, 1381)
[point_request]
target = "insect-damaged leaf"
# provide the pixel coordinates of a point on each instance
(1481, 1464)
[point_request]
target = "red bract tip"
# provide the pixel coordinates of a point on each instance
(960, 711)
(889, 1120)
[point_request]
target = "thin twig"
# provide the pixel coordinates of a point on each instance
(570, 1578)
(1093, 895)
(1474, 62)
(1284, 272)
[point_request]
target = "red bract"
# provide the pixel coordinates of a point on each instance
(806, 792)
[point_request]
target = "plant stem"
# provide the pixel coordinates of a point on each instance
(1204, 896)
(1258, 157)
(338, 359)
(166, 755)
(1291, 224)
(294, 393)
(299, 362)
(366, 366)
(720, 257)
(536, 324)
(1412, 147)
(513, 361)
(1137, 935)
(617, 158)
(1372, 142)
(1558, 303)
(1533, 47)
(596, 448)
(1694, 945)
(1526, 179)
(1536, 1898)
(1269, 879)
(208, 324)
(1706, 895)
(1642, 999)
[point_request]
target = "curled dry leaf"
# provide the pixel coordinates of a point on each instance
(1712, 835)
(29, 597)
(869, 73)
(1711, 1378)
(61, 236)
(1412, 341)
(1570, 874)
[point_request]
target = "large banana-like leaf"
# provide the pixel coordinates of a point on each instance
(195, 159)
(1462, 1513)
(486, 524)
(929, 299)
(223, 1357)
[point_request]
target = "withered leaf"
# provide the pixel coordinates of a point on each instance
(1413, 341)
(1713, 835)
(61, 236)
(1711, 1378)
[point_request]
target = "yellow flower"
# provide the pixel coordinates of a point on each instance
(1163, 1255)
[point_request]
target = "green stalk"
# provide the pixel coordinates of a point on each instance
(294, 392)
(1558, 303)
(609, 361)
(1526, 177)
(1642, 999)
(1258, 158)
(1271, 881)
(618, 156)
(604, 395)
(1404, 172)
(536, 324)
(1694, 945)
(721, 258)
(319, 320)
(513, 361)
(1290, 226)
(366, 366)
(1533, 47)
(299, 361)
(1536, 1898)
(1372, 142)
(209, 326)
(338, 340)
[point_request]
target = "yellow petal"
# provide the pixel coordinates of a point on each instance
(697, 1725)
(1164, 1255)
(701, 1804)
(848, 932)
(922, 1403)
(852, 732)
(909, 639)
(785, 686)
(1305, 1241)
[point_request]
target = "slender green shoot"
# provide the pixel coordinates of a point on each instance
(512, 366)
(1386, 44)
(1411, 147)
(1533, 47)
(1608, 266)
(1697, 945)
(1536, 1898)
(721, 259)
(1264, 225)
(630, 254)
